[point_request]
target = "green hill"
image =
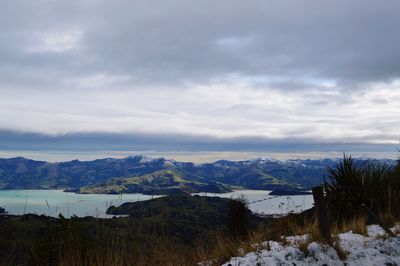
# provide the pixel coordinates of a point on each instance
(165, 182)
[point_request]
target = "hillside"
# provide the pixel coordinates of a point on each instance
(159, 182)
(145, 175)
(22, 173)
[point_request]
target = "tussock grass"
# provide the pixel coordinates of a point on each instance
(351, 184)
(8, 259)
(342, 253)
(357, 225)
(303, 246)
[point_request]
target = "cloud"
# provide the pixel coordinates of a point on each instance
(346, 42)
(136, 143)
(215, 111)
(319, 70)
(59, 41)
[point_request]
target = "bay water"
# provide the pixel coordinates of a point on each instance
(54, 202)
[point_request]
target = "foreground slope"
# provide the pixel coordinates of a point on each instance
(374, 249)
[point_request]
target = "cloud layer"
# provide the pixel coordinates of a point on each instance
(326, 71)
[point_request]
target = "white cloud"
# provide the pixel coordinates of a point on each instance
(218, 110)
(316, 70)
(56, 41)
(235, 43)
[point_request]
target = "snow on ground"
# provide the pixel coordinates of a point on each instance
(374, 249)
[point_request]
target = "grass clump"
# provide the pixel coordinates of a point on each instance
(357, 225)
(351, 184)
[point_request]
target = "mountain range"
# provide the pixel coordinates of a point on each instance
(141, 174)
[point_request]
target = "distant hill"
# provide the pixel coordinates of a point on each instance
(165, 182)
(22, 173)
(160, 175)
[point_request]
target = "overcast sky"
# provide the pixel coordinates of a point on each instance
(276, 70)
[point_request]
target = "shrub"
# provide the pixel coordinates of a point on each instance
(237, 218)
(350, 184)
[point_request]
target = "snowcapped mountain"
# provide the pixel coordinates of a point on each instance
(261, 173)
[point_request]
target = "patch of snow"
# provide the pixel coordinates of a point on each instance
(169, 162)
(264, 159)
(362, 250)
(375, 231)
(146, 159)
(295, 162)
(296, 239)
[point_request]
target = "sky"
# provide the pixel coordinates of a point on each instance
(200, 75)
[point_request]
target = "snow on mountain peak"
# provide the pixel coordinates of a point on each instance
(266, 159)
(146, 159)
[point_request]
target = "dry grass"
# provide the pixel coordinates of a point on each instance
(303, 246)
(357, 225)
(342, 253)
(288, 226)
(115, 251)
(227, 247)
(388, 218)
(292, 226)
(7, 260)
(160, 251)
(224, 247)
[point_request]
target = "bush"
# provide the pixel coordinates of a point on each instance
(238, 223)
(350, 184)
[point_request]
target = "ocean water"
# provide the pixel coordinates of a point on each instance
(259, 201)
(53, 202)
